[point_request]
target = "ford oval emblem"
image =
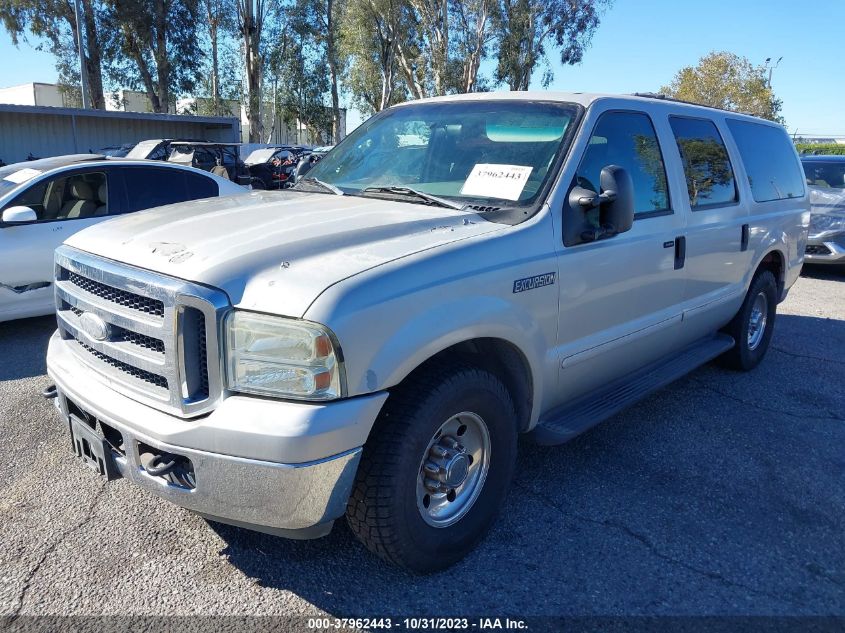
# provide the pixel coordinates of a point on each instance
(94, 326)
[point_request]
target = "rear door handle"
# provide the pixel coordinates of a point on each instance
(680, 251)
(745, 236)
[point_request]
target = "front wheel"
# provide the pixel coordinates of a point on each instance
(753, 325)
(436, 468)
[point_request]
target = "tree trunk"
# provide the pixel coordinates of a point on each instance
(251, 31)
(161, 58)
(331, 54)
(93, 58)
(417, 91)
(215, 66)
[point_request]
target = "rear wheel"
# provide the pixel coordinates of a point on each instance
(436, 468)
(753, 325)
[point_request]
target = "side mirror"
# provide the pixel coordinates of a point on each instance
(615, 204)
(19, 215)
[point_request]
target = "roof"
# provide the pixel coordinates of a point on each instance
(583, 98)
(202, 143)
(46, 164)
(827, 158)
(208, 121)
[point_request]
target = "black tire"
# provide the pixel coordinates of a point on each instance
(383, 508)
(745, 355)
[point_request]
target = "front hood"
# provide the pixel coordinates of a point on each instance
(276, 251)
(827, 200)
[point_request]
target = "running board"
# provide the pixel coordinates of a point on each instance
(569, 420)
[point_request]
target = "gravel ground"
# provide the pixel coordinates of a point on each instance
(722, 494)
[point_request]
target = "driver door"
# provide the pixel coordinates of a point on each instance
(64, 203)
(620, 297)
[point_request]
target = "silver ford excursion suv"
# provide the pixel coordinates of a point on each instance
(457, 271)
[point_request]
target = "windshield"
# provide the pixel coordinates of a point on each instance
(181, 154)
(11, 176)
(484, 152)
(260, 156)
(825, 175)
(143, 149)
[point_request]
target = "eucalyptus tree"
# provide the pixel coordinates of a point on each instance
(55, 22)
(530, 30)
(155, 48)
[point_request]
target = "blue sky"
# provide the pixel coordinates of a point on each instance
(641, 44)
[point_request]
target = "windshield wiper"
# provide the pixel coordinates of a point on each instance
(407, 191)
(324, 185)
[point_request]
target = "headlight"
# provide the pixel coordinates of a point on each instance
(281, 357)
(826, 223)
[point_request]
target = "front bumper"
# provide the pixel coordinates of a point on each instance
(829, 249)
(279, 467)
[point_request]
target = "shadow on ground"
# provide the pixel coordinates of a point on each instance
(825, 272)
(23, 347)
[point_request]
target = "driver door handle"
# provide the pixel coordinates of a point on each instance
(680, 251)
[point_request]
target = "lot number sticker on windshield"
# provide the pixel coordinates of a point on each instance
(496, 181)
(22, 175)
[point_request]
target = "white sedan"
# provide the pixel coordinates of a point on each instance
(43, 202)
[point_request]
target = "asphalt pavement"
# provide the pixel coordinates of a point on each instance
(721, 494)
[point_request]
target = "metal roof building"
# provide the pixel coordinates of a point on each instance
(49, 131)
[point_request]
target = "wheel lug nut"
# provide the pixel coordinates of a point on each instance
(431, 469)
(432, 485)
(438, 451)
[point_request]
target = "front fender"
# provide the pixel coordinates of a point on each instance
(435, 329)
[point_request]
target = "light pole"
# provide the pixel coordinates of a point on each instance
(83, 75)
(771, 68)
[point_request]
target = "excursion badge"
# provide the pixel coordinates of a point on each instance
(532, 283)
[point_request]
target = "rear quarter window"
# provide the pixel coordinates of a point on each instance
(769, 159)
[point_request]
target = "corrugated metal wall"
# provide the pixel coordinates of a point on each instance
(46, 134)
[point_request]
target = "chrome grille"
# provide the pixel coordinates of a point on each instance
(160, 344)
(153, 379)
(115, 295)
(142, 340)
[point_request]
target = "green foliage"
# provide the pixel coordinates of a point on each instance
(378, 52)
(728, 81)
(298, 70)
(820, 148)
(528, 29)
(155, 47)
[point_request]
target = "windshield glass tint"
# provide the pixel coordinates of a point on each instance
(825, 175)
(143, 149)
(495, 152)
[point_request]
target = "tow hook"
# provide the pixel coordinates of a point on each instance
(50, 393)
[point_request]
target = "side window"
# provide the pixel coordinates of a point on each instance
(149, 187)
(769, 159)
(627, 139)
(710, 177)
(230, 157)
(201, 187)
(68, 197)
